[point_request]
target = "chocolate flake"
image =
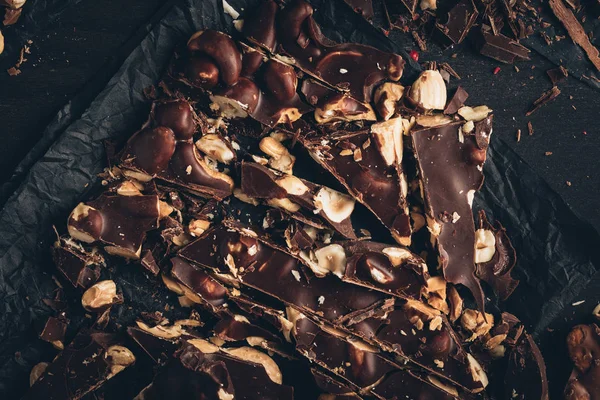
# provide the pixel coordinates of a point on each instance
(545, 98)
(557, 75)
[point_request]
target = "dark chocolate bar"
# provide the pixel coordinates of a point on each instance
(450, 161)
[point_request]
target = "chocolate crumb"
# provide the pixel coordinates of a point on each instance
(545, 98)
(518, 135)
(548, 153)
(12, 71)
(568, 183)
(530, 128)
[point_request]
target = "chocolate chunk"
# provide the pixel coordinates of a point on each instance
(209, 290)
(460, 20)
(367, 178)
(335, 208)
(583, 344)
(499, 47)
(54, 331)
(238, 328)
(147, 260)
(201, 370)
(457, 101)
(450, 165)
(544, 99)
(80, 267)
(575, 30)
(83, 366)
(526, 374)
(496, 272)
(119, 222)
(557, 75)
(280, 275)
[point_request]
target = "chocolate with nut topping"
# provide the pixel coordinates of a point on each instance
(450, 166)
(81, 268)
(497, 271)
(119, 222)
(210, 291)
(298, 40)
(424, 336)
(258, 181)
(278, 274)
(583, 344)
(367, 163)
(54, 331)
(84, 365)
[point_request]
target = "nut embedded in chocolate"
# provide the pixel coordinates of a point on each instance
(85, 223)
(386, 98)
(200, 71)
(216, 147)
(220, 48)
(37, 371)
(190, 168)
(152, 148)
(177, 115)
(341, 107)
(237, 100)
(280, 79)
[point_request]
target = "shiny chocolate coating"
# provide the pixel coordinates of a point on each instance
(177, 115)
(152, 149)
(198, 281)
(201, 72)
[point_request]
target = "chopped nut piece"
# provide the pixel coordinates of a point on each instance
(596, 312)
(335, 205)
(37, 371)
(118, 358)
(473, 322)
(285, 204)
(388, 140)
(215, 147)
(238, 194)
(100, 296)
(477, 371)
(456, 304)
(429, 91)
(292, 185)
(332, 259)
(281, 159)
(386, 97)
(197, 227)
(250, 354)
(428, 121)
(474, 114)
(1, 42)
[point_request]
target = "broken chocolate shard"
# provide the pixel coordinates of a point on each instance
(526, 374)
(500, 47)
(209, 290)
(78, 266)
(83, 366)
(497, 270)
(557, 75)
(334, 385)
(459, 22)
(147, 261)
(457, 101)
(544, 99)
(450, 165)
(54, 331)
(575, 31)
(375, 179)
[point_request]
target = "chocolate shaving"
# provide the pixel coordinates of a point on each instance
(11, 16)
(575, 31)
(557, 75)
(545, 98)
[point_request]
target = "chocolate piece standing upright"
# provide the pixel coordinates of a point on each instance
(450, 164)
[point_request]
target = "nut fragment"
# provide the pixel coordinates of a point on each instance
(332, 258)
(13, 4)
(344, 108)
(162, 331)
(1, 42)
(428, 121)
(237, 100)
(428, 5)
(119, 358)
(474, 322)
(335, 205)
(37, 371)
(281, 159)
(397, 255)
(215, 147)
(477, 372)
(292, 185)
(456, 304)
(100, 296)
(204, 346)
(238, 194)
(474, 113)
(485, 245)
(386, 97)
(429, 91)
(250, 354)
(388, 139)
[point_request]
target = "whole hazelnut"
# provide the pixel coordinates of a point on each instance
(153, 148)
(177, 115)
(429, 91)
(201, 72)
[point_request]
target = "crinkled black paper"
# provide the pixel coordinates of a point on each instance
(557, 250)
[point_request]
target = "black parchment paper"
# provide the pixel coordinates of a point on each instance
(557, 250)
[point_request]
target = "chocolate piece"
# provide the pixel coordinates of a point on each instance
(257, 181)
(557, 75)
(367, 176)
(496, 272)
(450, 166)
(583, 386)
(159, 349)
(83, 366)
(259, 25)
(575, 30)
(526, 374)
(80, 267)
(280, 275)
(422, 335)
(177, 115)
(460, 20)
(352, 68)
(238, 327)
(119, 222)
(11, 16)
(545, 98)
(54, 331)
(500, 47)
(583, 344)
(332, 386)
(200, 370)
(211, 292)
(457, 101)
(147, 260)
